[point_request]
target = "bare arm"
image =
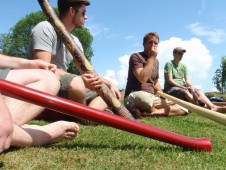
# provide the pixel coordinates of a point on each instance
(20, 63)
(143, 74)
(188, 81)
(47, 56)
(169, 77)
(157, 87)
(13, 62)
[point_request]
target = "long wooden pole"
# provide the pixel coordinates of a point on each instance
(212, 115)
(81, 111)
(83, 65)
(219, 103)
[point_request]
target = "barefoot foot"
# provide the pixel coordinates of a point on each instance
(35, 135)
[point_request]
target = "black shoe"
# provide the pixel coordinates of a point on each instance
(201, 103)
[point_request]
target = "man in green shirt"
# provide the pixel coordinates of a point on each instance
(178, 83)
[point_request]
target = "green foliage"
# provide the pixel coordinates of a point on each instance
(216, 94)
(220, 76)
(15, 43)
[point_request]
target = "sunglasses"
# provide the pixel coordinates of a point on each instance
(83, 12)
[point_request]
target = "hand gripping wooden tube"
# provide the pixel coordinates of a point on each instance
(81, 62)
(212, 115)
(81, 111)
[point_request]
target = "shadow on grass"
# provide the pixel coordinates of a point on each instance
(125, 147)
(90, 146)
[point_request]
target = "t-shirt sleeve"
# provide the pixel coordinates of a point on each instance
(168, 68)
(136, 61)
(43, 37)
(78, 43)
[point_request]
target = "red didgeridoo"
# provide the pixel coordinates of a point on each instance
(81, 111)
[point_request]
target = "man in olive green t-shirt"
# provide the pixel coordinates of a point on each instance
(178, 84)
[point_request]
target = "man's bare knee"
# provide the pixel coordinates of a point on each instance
(77, 91)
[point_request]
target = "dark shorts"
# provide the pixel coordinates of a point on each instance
(4, 73)
(177, 92)
(65, 81)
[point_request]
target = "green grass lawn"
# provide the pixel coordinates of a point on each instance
(101, 147)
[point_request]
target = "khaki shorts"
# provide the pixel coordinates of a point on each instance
(144, 101)
(65, 81)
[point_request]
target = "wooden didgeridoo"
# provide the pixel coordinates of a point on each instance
(212, 115)
(81, 62)
(219, 103)
(81, 111)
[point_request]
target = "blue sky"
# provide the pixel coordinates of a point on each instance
(118, 28)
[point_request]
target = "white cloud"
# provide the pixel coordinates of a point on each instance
(97, 30)
(197, 58)
(130, 37)
(119, 78)
(214, 89)
(215, 36)
(111, 75)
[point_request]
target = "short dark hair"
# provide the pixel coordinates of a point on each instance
(64, 5)
(155, 34)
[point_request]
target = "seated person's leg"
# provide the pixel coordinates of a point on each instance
(210, 105)
(6, 126)
(98, 103)
(94, 100)
(138, 102)
(34, 135)
(143, 104)
(203, 97)
(172, 110)
(38, 79)
(73, 88)
(167, 108)
(181, 94)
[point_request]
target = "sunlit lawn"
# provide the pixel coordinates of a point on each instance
(102, 147)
